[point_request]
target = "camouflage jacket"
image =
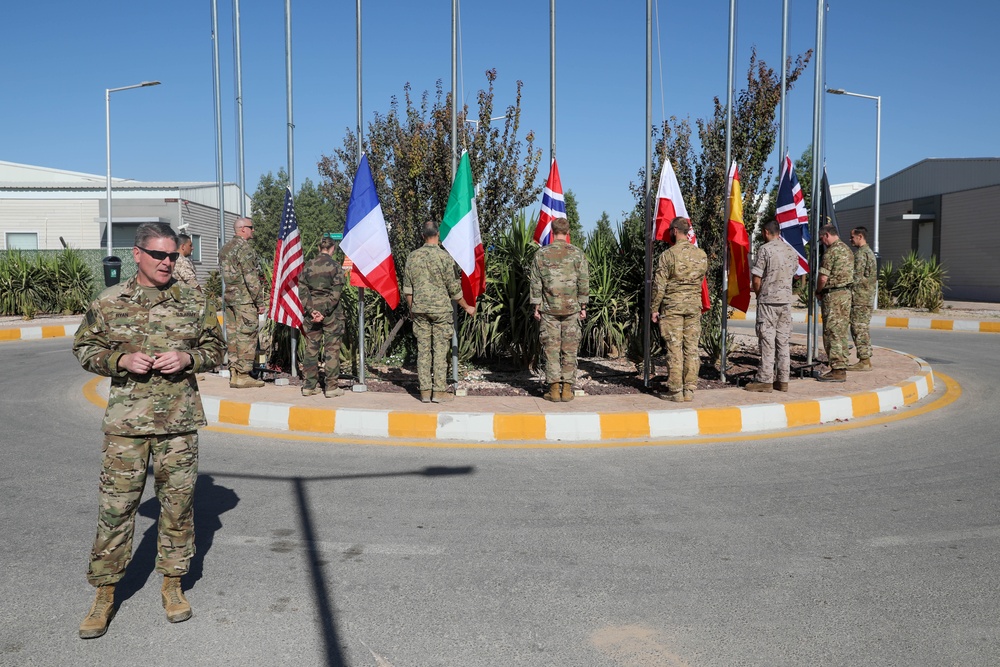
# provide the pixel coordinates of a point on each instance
(320, 285)
(432, 278)
(245, 281)
(838, 265)
(677, 281)
(865, 277)
(184, 272)
(775, 264)
(123, 320)
(560, 279)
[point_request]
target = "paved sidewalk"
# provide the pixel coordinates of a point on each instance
(953, 316)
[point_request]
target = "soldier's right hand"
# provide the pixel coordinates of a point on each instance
(656, 317)
(139, 363)
(471, 310)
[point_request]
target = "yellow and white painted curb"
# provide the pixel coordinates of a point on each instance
(575, 427)
(886, 322)
(37, 333)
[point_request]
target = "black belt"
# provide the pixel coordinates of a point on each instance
(834, 289)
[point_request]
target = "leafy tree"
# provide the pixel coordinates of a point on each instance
(602, 228)
(315, 214)
(409, 151)
(576, 234)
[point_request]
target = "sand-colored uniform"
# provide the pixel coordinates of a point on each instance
(775, 264)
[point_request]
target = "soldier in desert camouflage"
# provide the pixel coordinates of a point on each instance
(247, 296)
(676, 306)
(150, 335)
(863, 297)
(430, 283)
(184, 268)
(836, 277)
(560, 289)
(320, 285)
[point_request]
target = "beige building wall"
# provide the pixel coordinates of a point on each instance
(73, 219)
(969, 247)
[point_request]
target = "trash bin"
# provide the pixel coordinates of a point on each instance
(112, 270)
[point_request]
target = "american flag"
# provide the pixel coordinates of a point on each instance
(286, 307)
(791, 214)
(553, 206)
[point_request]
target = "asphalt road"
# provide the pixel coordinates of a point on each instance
(871, 546)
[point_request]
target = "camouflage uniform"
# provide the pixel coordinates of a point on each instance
(246, 292)
(184, 272)
(775, 264)
(432, 280)
(560, 284)
(863, 299)
(838, 266)
(148, 416)
(320, 285)
(677, 298)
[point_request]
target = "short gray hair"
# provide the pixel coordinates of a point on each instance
(148, 231)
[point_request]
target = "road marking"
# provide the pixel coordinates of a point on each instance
(983, 533)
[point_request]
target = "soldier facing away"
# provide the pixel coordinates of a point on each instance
(676, 306)
(150, 335)
(836, 277)
(247, 296)
(184, 268)
(773, 271)
(560, 289)
(863, 297)
(320, 286)
(430, 283)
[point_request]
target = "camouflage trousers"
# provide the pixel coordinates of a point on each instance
(433, 332)
(774, 328)
(861, 319)
(836, 327)
(321, 339)
(123, 477)
(241, 335)
(681, 334)
(560, 338)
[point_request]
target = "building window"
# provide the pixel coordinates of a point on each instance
(22, 240)
(196, 247)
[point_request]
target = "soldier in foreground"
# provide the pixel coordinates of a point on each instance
(836, 277)
(773, 271)
(247, 296)
(676, 306)
(320, 285)
(151, 335)
(184, 268)
(430, 283)
(863, 298)
(560, 288)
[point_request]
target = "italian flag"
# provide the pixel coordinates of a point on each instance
(460, 232)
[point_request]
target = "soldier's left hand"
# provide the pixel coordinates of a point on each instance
(171, 362)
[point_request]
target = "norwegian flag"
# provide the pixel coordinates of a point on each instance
(791, 214)
(553, 206)
(286, 307)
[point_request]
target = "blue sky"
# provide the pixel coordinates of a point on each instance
(934, 68)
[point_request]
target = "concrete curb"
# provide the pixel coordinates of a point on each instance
(575, 427)
(884, 322)
(37, 333)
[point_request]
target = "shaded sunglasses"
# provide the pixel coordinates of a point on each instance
(159, 255)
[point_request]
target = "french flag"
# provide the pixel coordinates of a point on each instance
(791, 214)
(553, 206)
(366, 239)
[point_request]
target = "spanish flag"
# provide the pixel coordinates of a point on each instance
(738, 289)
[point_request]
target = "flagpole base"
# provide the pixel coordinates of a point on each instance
(359, 388)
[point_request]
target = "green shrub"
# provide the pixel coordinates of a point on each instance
(885, 282)
(34, 283)
(919, 283)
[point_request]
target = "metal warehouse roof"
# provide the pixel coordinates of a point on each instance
(929, 177)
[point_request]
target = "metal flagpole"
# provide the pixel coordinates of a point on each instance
(648, 212)
(361, 290)
(238, 59)
(291, 135)
(729, 161)
(218, 151)
(552, 81)
(818, 87)
(782, 149)
(454, 166)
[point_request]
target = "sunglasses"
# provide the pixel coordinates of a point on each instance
(159, 255)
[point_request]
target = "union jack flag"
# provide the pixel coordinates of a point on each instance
(791, 214)
(553, 207)
(286, 307)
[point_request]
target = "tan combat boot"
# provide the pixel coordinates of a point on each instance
(555, 393)
(567, 392)
(238, 380)
(763, 387)
(862, 365)
(780, 386)
(839, 375)
(312, 391)
(174, 601)
(442, 397)
(425, 396)
(333, 393)
(688, 395)
(95, 624)
(675, 396)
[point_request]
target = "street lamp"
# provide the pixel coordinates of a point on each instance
(107, 125)
(878, 157)
(476, 122)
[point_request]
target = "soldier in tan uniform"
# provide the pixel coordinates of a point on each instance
(863, 297)
(184, 268)
(560, 288)
(151, 335)
(836, 277)
(773, 271)
(430, 283)
(247, 296)
(676, 306)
